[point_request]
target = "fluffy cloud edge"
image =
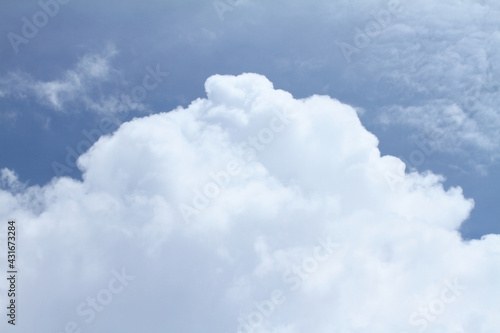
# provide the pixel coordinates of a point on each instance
(307, 170)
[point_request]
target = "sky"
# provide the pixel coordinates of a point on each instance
(251, 166)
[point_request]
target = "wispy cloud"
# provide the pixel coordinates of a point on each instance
(440, 62)
(80, 86)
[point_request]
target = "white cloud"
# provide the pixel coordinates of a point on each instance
(447, 127)
(434, 58)
(308, 234)
(81, 85)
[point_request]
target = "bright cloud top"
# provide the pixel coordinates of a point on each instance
(249, 211)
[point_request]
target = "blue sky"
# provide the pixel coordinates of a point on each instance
(404, 66)
(423, 77)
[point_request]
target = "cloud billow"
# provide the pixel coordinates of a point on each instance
(304, 231)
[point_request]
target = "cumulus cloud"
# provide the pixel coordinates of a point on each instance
(249, 211)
